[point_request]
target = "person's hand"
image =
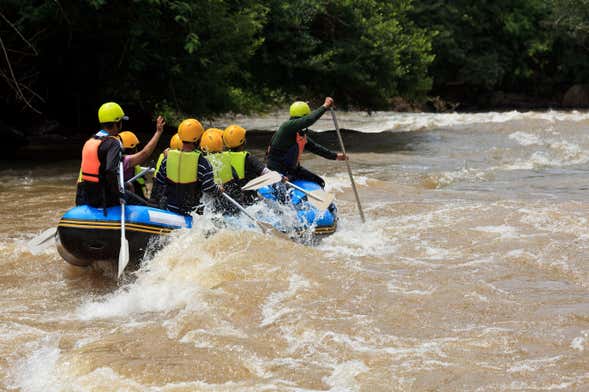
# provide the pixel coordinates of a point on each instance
(160, 122)
(221, 189)
(285, 179)
(328, 102)
(341, 157)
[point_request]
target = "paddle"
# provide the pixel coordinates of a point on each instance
(265, 227)
(141, 174)
(269, 178)
(341, 142)
(124, 251)
(42, 241)
(318, 198)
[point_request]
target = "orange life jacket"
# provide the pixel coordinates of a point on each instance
(301, 142)
(90, 162)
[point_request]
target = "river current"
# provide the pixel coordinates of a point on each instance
(470, 273)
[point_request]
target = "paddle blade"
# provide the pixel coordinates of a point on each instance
(320, 199)
(269, 178)
(42, 241)
(123, 257)
(267, 228)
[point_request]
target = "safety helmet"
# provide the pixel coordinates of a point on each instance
(212, 140)
(175, 142)
(111, 112)
(190, 130)
(299, 109)
(129, 139)
(234, 136)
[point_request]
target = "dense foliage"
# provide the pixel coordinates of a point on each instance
(203, 57)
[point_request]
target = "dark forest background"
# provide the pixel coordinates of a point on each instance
(59, 60)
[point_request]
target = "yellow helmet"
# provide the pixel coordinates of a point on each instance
(299, 109)
(190, 130)
(111, 112)
(175, 142)
(128, 139)
(234, 136)
(212, 140)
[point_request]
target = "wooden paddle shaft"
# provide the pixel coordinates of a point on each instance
(341, 142)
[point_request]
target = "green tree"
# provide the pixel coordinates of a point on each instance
(363, 52)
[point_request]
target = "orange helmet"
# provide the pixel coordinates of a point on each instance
(212, 140)
(175, 142)
(190, 130)
(128, 139)
(234, 136)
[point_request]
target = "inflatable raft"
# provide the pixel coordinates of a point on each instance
(87, 235)
(309, 218)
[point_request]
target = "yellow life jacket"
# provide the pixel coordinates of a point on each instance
(238, 162)
(159, 163)
(221, 163)
(140, 180)
(182, 166)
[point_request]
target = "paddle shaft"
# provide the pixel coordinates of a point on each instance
(240, 208)
(341, 142)
(140, 174)
(306, 192)
(124, 250)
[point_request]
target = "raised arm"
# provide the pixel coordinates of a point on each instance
(143, 155)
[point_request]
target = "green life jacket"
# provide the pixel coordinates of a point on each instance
(221, 163)
(140, 180)
(159, 163)
(238, 162)
(182, 166)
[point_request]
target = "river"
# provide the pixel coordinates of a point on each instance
(471, 273)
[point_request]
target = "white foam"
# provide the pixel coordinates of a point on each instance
(343, 378)
(272, 309)
(579, 342)
(37, 372)
(387, 121)
(526, 139)
(504, 231)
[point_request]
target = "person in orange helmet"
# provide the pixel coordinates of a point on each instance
(133, 159)
(185, 175)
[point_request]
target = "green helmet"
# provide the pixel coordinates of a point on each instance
(111, 112)
(299, 109)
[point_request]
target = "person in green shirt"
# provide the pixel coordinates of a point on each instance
(289, 142)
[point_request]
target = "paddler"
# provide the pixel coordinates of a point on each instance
(98, 183)
(211, 145)
(289, 142)
(133, 159)
(244, 165)
(157, 191)
(185, 174)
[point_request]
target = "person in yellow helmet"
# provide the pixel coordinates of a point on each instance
(98, 183)
(244, 165)
(289, 142)
(185, 175)
(133, 159)
(157, 192)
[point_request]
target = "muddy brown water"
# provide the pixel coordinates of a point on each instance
(471, 273)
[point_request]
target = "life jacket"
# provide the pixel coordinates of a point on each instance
(221, 163)
(301, 142)
(90, 168)
(238, 162)
(182, 192)
(182, 166)
(141, 180)
(159, 163)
